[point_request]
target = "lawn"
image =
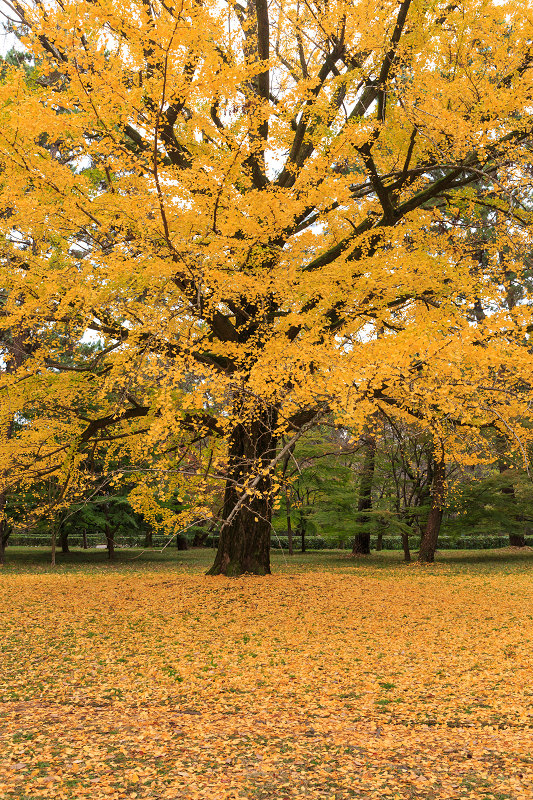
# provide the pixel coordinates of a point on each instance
(332, 678)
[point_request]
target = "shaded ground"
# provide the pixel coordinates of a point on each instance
(198, 560)
(370, 680)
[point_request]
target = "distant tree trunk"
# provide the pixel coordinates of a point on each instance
(63, 538)
(406, 550)
(109, 531)
(361, 544)
(149, 539)
(5, 530)
(379, 541)
(244, 541)
(289, 523)
(302, 530)
(54, 541)
(110, 539)
(84, 543)
(515, 539)
(2, 542)
(430, 537)
(181, 542)
(200, 539)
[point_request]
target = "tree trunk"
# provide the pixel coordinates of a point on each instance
(181, 542)
(54, 540)
(63, 538)
(289, 523)
(244, 541)
(302, 528)
(406, 550)
(110, 539)
(148, 539)
(200, 539)
(515, 539)
(110, 531)
(428, 545)
(5, 530)
(84, 543)
(361, 544)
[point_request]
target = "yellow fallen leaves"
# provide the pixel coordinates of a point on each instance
(307, 686)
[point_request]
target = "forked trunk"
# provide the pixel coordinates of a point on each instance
(244, 542)
(428, 545)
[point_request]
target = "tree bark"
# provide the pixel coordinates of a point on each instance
(54, 540)
(515, 539)
(200, 539)
(428, 545)
(63, 538)
(361, 544)
(110, 539)
(109, 533)
(5, 530)
(244, 541)
(181, 542)
(84, 543)
(148, 539)
(302, 528)
(406, 550)
(289, 523)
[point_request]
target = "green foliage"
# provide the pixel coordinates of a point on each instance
(321, 486)
(106, 510)
(497, 504)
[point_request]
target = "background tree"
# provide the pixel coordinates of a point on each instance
(319, 476)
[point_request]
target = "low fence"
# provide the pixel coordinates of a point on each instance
(97, 540)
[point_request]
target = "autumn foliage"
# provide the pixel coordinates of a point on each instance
(223, 221)
(161, 684)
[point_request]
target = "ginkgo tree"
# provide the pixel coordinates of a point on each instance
(263, 213)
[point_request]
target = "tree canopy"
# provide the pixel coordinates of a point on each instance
(258, 214)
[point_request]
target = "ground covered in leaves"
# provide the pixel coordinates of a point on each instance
(363, 682)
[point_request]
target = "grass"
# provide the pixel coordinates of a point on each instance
(198, 560)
